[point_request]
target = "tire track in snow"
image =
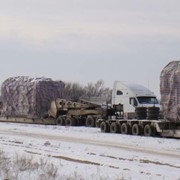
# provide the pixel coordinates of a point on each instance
(17, 144)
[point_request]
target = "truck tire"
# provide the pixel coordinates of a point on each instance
(136, 130)
(90, 122)
(70, 122)
(104, 127)
(148, 130)
(125, 129)
(114, 127)
(60, 121)
(98, 122)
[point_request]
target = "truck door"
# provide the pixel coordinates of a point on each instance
(133, 102)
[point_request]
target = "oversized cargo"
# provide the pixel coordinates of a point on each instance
(23, 96)
(170, 91)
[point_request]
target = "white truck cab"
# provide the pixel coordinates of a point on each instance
(131, 96)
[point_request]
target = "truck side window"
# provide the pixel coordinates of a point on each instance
(133, 101)
(119, 92)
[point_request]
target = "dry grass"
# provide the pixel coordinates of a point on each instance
(19, 167)
(25, 167)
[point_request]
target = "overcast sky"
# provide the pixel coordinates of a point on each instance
(88, 40)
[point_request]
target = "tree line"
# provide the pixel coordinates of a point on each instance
(74, 91)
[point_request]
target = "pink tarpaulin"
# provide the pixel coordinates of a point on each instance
(170, 91)
(29, 97)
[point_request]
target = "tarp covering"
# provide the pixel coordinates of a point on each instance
(29, 97)
(170, 91)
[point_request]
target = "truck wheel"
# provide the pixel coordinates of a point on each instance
(136, 130)
(114, 128)
(70, 122)
(124, 128)
(60, 121)
(98, 122)
(90, 122)
(148, 130)
(104, 127)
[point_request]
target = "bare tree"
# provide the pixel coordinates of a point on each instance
(73, 91)
(96, 90)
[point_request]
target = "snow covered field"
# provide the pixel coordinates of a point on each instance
(86, 153)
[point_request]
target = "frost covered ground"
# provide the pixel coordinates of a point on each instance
(86, 153)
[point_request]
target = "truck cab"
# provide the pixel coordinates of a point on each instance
(131, 96)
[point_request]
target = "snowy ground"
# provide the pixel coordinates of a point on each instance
(86, 153)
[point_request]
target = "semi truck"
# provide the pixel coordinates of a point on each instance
(137, 112)
(131, 96)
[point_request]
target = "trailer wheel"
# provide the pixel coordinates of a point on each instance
(124, 129)
(136, 130)
(114, 128)
(70, 122)
(148, 130)
(104, 127)
(60, 121)
(90, 122)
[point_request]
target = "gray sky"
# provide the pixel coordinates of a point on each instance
(88, 40)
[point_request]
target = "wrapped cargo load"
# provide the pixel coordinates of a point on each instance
(23, 96)
(170, 91)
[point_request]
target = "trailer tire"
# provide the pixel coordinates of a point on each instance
(114, 127)
(136, 130)
(104, 127)
(60, 121)
(70, 122)
(125, 129)
(148, 130)
(90, 122)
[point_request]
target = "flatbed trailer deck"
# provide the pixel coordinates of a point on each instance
(47, 121)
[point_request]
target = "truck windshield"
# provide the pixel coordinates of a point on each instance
(147, 100)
